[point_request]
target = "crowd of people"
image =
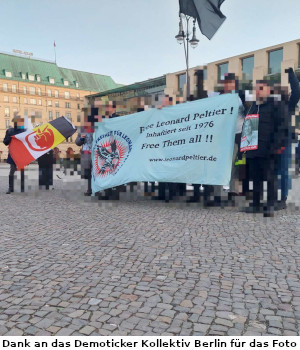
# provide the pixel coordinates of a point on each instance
(262, 149)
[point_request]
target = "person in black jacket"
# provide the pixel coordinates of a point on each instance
(17, 129)
(46, 162)
(286, 152)
(263, 161)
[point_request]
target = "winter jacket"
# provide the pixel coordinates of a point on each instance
(9, 133)
(274, 121)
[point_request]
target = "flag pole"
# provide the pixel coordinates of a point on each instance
(54, 51)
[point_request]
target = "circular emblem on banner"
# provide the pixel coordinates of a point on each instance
(40, 140)
(110, 152)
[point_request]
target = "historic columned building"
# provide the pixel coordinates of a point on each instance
(43, 91)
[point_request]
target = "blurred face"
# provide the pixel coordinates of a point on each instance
(229, 86)
(20, 123)
(262, 91)
(87, 124)
(109, 109)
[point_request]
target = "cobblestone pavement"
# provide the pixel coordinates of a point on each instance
(73, 266)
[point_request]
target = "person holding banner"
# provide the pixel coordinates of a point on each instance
(17, 129)
(230, 85)
(85, 139)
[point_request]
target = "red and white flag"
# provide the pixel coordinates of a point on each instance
(29, 145)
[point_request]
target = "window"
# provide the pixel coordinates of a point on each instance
(247, 67)
(50, 115)
(78, 106)
(49, 93)
(78, 118)
(30, 77)
(39, 91)
(68, 105)
(32, 90)
(51, 80)
(23, 75)
(222, 69)
(66, 83)
(77, 96)
(49, 103)
(57, 115)
(68, 116)
(56, 103)
(205, 74)
(5, 87)
(6, 112)
(5, 98)
(299, 55)
(181, 81)
(33, 101)
(14, 88)
(8, 74)
(275, 59)
(40, 102)
(25, 100)
(56, 93)
(7, 123)
(24, 89)
(38, 78)
(14, 99)
(76, 84)
(67, 94)
(15, 112)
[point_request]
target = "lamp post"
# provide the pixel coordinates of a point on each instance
(184, 37)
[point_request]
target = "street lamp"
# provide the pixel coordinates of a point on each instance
(183, 36)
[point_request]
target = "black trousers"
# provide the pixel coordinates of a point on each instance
(88, 176)
(263, 169)
(46, 176)
(13, 169)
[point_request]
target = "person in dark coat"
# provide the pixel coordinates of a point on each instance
(263, 161)
(85, 139)
(46, 162)
(17, 129)
(286, 152)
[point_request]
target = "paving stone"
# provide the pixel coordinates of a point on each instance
(14, 332)
(65, 332)
(201, 327)
(87, 330)
(44, 323)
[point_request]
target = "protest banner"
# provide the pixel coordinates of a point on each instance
(188, 143)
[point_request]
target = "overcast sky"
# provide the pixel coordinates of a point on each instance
(133, 40)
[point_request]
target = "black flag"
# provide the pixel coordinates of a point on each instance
(207, 13)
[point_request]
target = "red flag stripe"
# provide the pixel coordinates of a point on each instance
(19, 153)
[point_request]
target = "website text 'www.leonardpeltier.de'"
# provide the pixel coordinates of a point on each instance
(185, 158)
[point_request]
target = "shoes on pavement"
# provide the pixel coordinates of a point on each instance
(280, 205)
(253, 209)
(269, 212)
(9, 191)
(87, 193)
